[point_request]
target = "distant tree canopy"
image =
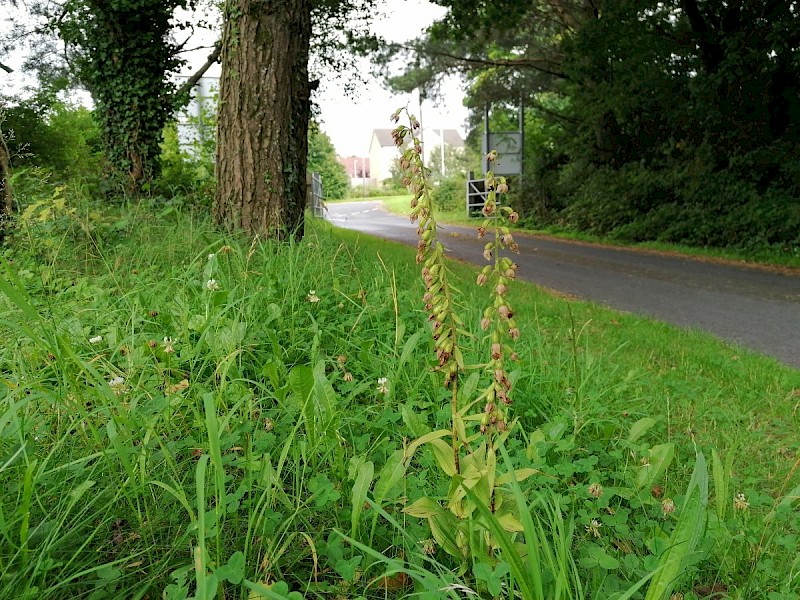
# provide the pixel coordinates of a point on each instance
(677, 120)
(56, 136)
(322, 160)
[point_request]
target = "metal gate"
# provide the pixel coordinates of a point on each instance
(317, 195)
(476, 195)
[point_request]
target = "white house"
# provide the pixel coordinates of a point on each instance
(202, 106)
(383, 153)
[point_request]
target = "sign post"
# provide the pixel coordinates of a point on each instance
(509, 147)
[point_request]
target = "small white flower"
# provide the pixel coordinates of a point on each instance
(212, 285)
(117, 385)
(168, 345)
(312, 296)
(593, 528)
(211, 256)
(740, 502)
(383, 385)
(96, 339)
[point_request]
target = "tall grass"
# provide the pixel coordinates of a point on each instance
(253, 453)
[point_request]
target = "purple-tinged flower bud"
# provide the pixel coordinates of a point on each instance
(497, 351)
(486, 322)
(481, 279)
(501, 289)
(513, 217)
(502, 188)
(504, 311)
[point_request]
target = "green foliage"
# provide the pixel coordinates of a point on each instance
(186, 173)
(322, 160)
(645, 120)
(127, 71)
(187, 166)
(450, 193)
(180, 414)
(57, 137)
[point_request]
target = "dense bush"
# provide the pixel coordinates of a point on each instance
(450, 193)
(57, 137)
(690, 202)
(188, 173)
(322, 160)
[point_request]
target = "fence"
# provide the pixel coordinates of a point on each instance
(476, 195)
(316, 194)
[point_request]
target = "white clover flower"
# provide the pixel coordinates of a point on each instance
(212, 285)
(593, 528)
(312, 296)
(383, 385)
(96, 339)
(117, 385)
(168, 345)
(740, 502)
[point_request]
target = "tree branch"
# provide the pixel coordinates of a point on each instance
(192, 81)
(472, 62)
(6, 68)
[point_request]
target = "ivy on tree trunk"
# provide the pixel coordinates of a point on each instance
(263, 117)
(125, 56)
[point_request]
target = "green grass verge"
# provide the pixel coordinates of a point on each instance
(184, 414)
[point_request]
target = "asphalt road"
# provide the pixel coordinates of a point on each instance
(755, 308)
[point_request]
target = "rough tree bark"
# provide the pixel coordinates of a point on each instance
(263, 117)
(6, 197)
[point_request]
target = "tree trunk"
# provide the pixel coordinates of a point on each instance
(264, 110)
(6, 198)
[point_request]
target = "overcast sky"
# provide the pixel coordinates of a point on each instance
(349, 120)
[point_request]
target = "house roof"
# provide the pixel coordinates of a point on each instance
(384, 136)
(451, 137)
